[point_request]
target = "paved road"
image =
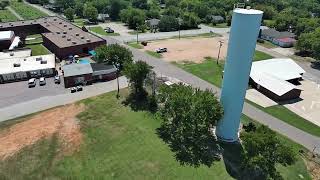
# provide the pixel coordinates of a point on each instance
(163, 35)
(164, 68)
(40, 8)
(46, 102)
(15, 13)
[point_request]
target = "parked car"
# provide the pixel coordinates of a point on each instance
(32, 82)
(161, 50)
(73, 90)
(42, 81)
(79, 88)
(108, 30)
(57, 79)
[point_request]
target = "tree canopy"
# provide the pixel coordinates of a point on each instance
(90, 12)
(263, 151)
(113, 54)
(69, 13)
(187, 115)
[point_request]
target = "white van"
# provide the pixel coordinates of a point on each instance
(32, 82)
(42, 81)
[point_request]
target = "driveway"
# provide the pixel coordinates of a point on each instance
(38, 103)
(118, 27)
(18, 92)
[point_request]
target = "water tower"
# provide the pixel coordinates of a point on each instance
(244, 32)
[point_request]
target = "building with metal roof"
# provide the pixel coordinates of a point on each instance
(282, 39)
(277, 78)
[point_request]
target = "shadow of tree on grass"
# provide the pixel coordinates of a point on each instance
(141, 102)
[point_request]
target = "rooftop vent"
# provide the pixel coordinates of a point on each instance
(0, 25)
(69, 39)
(63, 36)
(73, 42)
(82, 37)
(58, 32)
(43, 62)
(65, 25)
(35, 20)
(54, 19)
(47, 25)
(60, 22)
(70, 28)
(39, 59)
(16, 65)
(22, 22)
(64, 32)
(11, 54)
(77, 34)
(45, 22)
(88, 40)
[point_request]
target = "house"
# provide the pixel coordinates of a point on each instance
(19, 67)
(77, 74)
(103, 17)
(217, 19)
(282, 39)
(153, 23)
(277, 78)
(83, 74)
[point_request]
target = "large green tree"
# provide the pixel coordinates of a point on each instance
(64, 4)
(113, 54)
(140, 4)
(168, 23)
(133, 17)
(263, 151)
(69, 13)
(187, 115)
(90, 12)
(137, 73)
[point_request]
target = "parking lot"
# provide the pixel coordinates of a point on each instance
(17, 92)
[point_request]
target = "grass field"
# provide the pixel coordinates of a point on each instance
(258, 56)
(26, 11)
(135, 45)
(291, 118)
(78, 22)
(38, 39)
(38, 49)
(118, 144)
(6, 16)
(154, 54)
(100, 30)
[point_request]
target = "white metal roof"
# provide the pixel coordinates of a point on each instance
(285, 69)
(26, 64)
(15, 54)
(273, 74)
(76, 69)
(6, 35)
(15, 43)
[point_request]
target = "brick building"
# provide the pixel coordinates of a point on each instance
(59, 36)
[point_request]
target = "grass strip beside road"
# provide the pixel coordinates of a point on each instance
(7, 16)
(135, 45)
(26, 11)
(258, 56)
(101, 31)
(154, 54)
(284, 114)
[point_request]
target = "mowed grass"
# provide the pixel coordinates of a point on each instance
(26, 11)
(118, 143)
(7, 16)
(291, 118)
(258, 56)
(154, 54)
(38, 49)
(135, 45)
(101, 31)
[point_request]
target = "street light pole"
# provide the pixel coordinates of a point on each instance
(220, 45)
(117, 65)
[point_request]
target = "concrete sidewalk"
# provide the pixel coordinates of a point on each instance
(48, 102)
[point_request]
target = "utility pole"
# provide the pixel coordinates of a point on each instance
(117, 65)
(220, 45)
(179, 23)
(137, 27)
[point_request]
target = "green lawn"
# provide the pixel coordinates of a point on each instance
(78, 22)
(208, 70)
(100, 30)
(38, 49)
(154, 54)
(118, 144)
(26, 11)
(6, 16)
(38, 39)
(291, 118)
(135, 45)
(258, 56)
(268, 45)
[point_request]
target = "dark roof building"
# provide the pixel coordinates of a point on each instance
(272, 33)
(59, 36)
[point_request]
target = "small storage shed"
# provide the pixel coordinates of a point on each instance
(77, 74)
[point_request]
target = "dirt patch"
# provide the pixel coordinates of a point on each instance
(313, 168)
(61, 121)
(190, 49)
